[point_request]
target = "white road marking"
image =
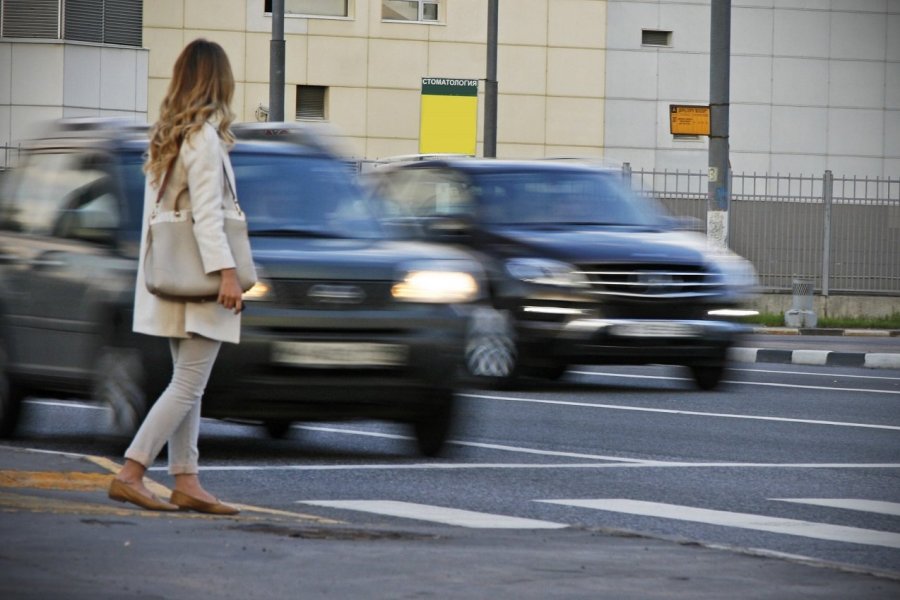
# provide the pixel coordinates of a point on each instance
(680, 412)
(873, 506)
(65, 404)
(816, 374)
(436, 514)
(809, 529)
(762, 383)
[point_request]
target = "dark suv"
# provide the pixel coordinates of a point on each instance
(344, 323)
(581, 270)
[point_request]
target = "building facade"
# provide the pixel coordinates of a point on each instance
(815, 84)
(69, 58)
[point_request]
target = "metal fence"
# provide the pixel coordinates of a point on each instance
(843, 233)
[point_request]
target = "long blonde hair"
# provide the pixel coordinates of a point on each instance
(201, 89)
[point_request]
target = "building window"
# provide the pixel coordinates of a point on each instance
(656, 37)
(410, 10)
(311, 102)
(312, 8)
(98, 21)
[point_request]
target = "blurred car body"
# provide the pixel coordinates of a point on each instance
(581, 270)
(344, 323)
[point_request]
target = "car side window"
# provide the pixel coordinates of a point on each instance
(70, 195)
(427, 193)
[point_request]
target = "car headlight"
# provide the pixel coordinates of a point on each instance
(736, 272)
(437, 282)
(545, 272)
(261, 290)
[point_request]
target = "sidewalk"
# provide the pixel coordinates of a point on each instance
(822, 347)
(63, 539)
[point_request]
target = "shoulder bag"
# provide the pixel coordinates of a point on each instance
(173, 268)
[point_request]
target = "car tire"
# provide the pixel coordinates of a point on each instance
(708, 377)
(120, 383)
(492, 355)
(433, 427)
(278, 429)
(10, 405)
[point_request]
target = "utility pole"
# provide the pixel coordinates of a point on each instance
(276, 63)
(719, 193)
(490, 83)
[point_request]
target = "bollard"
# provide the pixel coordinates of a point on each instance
(801, 313)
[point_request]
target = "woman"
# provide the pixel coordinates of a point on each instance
(188, 157)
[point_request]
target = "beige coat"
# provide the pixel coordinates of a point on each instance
(198, 172)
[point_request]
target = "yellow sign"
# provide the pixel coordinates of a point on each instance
(688, 120)
(449, 119)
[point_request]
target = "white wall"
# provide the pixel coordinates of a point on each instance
(43, 80)
(815, 85)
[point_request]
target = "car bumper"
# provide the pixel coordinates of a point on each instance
(338, 366)
(634, 341)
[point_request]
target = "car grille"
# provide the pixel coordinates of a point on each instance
(643, 281)
(332, 295)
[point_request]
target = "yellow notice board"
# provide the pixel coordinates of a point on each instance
(688, 120)
(449, 119)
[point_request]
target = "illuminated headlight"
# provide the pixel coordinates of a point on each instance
(261, 290)
(438, 283)
(545, 272)
(736, 272)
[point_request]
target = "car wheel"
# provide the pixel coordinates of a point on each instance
(278, 429)
(491, 353)
(10, 405)
(708, 377)
(433, 427)
(120, 384)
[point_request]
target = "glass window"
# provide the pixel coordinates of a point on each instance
(410, 10)
(316, 8)
(550, 197)
(426, 193)
(301, 196)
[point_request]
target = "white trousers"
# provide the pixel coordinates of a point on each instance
(175, 417)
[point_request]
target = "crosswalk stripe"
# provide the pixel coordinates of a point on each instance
(874, 506)
(822, 531)
(437, 514)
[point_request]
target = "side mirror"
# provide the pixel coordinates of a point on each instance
(684, 223)
(448, 227)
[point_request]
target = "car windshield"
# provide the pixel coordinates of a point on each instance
(548, 198)
(291, 195)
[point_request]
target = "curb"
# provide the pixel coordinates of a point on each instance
(819, 358)
(827, 331)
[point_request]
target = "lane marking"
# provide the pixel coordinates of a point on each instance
(592, 465)
(873, 506)
(809, 529)
(811, 373)
(761, 383)
(671, 411)
(65, 404)
(436, 514)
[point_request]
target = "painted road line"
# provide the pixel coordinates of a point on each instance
(436, 514)
(808, 529)
(732, 382)
(872, 506)
(670, 411)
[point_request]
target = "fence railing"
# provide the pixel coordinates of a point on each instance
(843, 233)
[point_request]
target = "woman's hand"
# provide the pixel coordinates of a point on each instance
(230, 291)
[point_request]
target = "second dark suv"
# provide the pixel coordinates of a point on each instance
(344, 323)
(581, 270)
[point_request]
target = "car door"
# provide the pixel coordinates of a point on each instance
(58, 230)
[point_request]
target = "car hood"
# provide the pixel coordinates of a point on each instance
(358, 259)
(601, 244)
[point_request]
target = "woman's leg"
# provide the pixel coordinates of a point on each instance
(175, 416)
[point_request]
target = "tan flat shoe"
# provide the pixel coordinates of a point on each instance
(188, 502)
(122, 492)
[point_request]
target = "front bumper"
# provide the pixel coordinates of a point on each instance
(631, 341)
(336, 365)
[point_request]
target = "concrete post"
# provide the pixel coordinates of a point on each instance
(719, 164)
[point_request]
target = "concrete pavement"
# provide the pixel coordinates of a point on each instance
(63, 539)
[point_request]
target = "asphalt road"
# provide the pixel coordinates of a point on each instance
(798, 463)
